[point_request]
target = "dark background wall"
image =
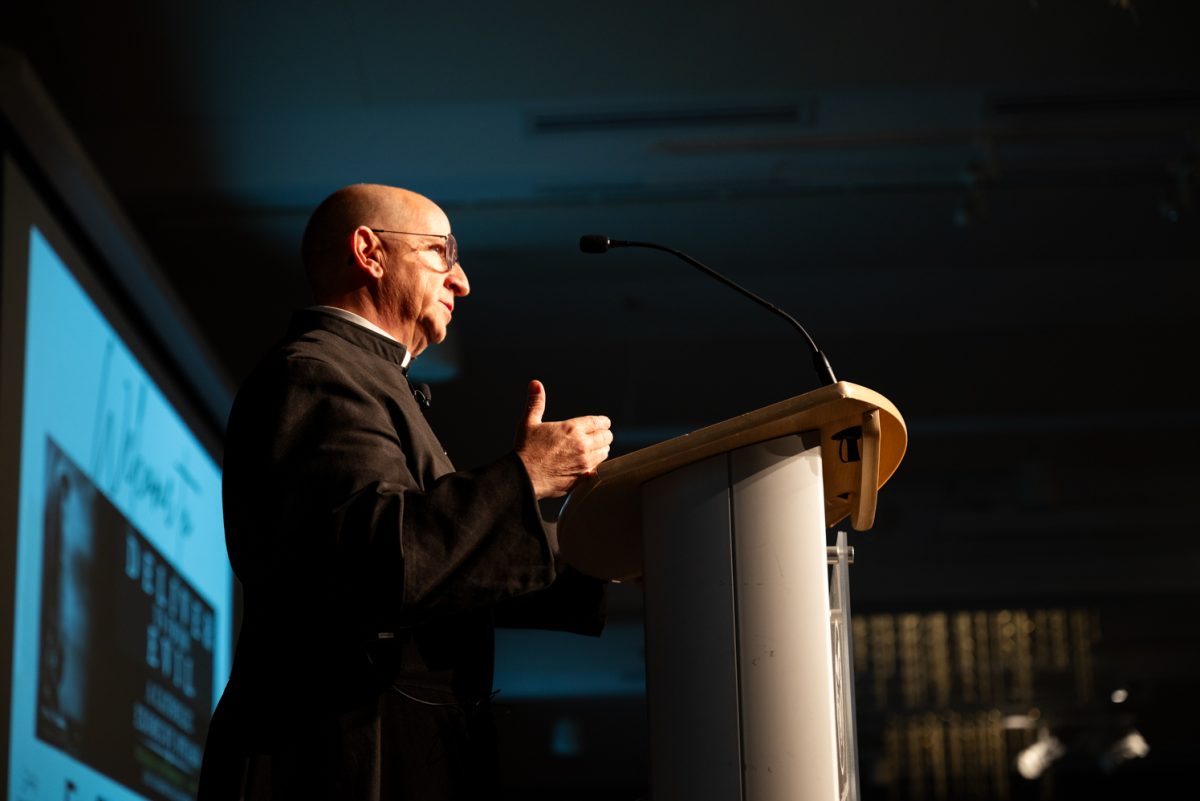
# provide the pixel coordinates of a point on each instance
(983, 211)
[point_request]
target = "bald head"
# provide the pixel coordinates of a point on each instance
(326, 247)
(384, 254)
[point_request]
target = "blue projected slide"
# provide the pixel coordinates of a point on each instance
(121, 632)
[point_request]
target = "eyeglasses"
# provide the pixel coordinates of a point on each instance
(449, 251)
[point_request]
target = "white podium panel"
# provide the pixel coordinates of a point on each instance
(738, 650)
(691, 662)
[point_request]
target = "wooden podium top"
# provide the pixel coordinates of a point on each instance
(600, 527)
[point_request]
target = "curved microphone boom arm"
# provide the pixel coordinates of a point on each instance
(598, 243)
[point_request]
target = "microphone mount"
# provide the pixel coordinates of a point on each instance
(598, 243)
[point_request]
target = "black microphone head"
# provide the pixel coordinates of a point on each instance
(594, 243)
(423, 394)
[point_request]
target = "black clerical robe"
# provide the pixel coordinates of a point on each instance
(373, 573)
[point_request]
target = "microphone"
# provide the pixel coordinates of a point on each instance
(423, 394)
(598, 243)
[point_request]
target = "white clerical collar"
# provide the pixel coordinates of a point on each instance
(358, 319)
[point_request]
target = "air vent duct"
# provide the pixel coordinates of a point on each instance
(1092, 104)
(679, 118)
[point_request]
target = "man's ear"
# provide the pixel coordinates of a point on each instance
(365, 251)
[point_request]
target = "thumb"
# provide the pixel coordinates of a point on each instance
(537, 403)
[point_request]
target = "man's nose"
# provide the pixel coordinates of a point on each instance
(457, 281)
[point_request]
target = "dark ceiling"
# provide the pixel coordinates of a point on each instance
(984, 211)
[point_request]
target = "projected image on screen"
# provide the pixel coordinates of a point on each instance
(72, 582)
(121, 629)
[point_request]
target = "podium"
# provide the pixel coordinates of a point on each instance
(726, 529)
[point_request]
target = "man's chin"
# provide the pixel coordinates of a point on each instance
(435, 336)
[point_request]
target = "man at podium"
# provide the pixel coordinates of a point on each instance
(373, 571)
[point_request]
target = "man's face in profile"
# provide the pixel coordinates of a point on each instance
(417, 285)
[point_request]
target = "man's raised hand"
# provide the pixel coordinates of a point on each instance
(556, 454)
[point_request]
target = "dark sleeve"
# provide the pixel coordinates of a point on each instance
(333, 489)
(575, 602)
